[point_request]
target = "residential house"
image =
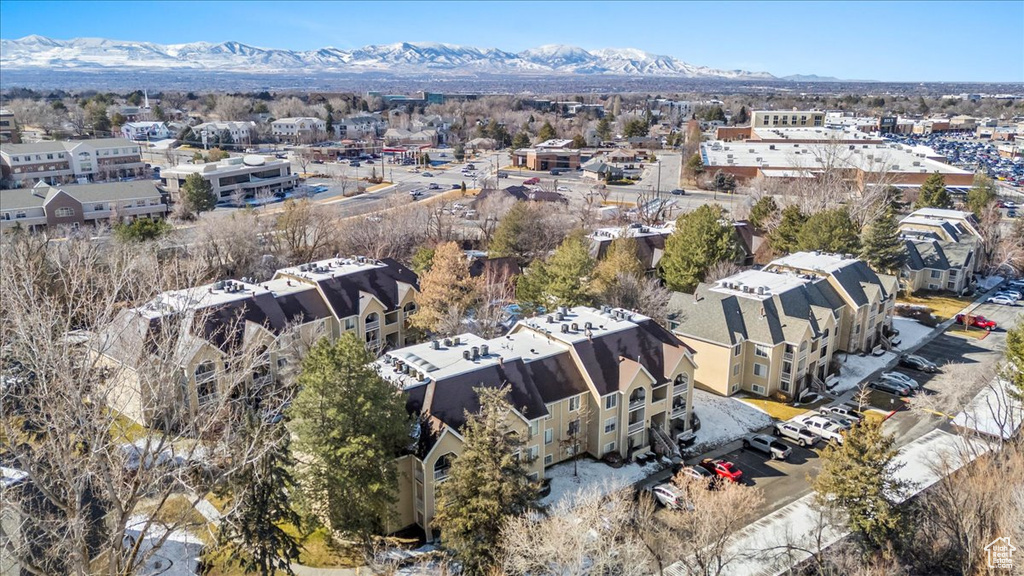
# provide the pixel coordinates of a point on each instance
(649, 242)
(478, 144)
(760, 332)
(600, 171)
(523, 194)
(235, 179)
(869, 297)
(63, 162)
(426, 138)
(49, 207)
(581, 380)
(360, 127)
(298, 129)
(146, 131)
(372, 298)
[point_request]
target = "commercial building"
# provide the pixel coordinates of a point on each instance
(580, 380)
(146, 131)
(241, 132)
(77, 205)
(548, 155)
(372, 298)
(298, 129)
(783, 118)
(795, 154)
(235, 178)
(64, 162)
(775, 331)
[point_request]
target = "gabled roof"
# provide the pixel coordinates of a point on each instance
(935, 255)
(343, 292)
(644, 344)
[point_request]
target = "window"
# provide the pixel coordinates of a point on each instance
(609, 447)
(758, 389)
(442, 466)
(99, 207)
(785, 386)
(533, 476)
(760, 370)
(574, 403)
(409, 309)
(574, 427)
(532, 453)
(549, 436)
(390, 318)
(609, 424)
(761, 350)
(350, 323)
(534, 428)
(952, 273)
(372, 318)
(548, 459)
(611, 401)
(735, 369)
(936, 274)
(64, 212)
(787, 367)
(736, 350)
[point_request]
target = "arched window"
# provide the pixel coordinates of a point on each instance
(372, 317)
(409, 308)
(638, 395)
(442, 466)
(682, 380)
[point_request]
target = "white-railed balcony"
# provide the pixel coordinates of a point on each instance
(441, 474)
(678, 410)
(636, 427)
(680, 390)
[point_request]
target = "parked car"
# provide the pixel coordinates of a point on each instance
(918, 363)
(502, 174)
(770, 446)
(844, 423)
(722, 468)
(1015, 294)
(976, 321)
(843, 411)
(562, 189)
(796, 432)
(1002, 300)
(890, 387)
(434, 186)
(531, 181)
(700, 474)
(427, 175)
(679, 192)
(827, 429)
(670, 497)
(901, 378)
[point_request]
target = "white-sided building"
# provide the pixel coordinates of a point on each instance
(146, 131)
(297, 129)
(235, 178)
(241, 132)
(66, 162)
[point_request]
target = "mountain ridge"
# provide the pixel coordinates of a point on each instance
(399, 58)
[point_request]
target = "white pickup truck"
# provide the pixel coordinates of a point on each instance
(797, 433)
(827, 429)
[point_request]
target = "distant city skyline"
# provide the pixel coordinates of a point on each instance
(885, 41)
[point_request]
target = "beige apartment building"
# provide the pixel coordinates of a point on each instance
(581, 380)
(373, 298)
(775, 331)
(869, 298)
(943, 250)
(760, 332)
(66, 162)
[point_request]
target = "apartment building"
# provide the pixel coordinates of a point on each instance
(868, 297)
(946, 225)
(65, 162)
(241, 132)
(760, 332)
(8, 126)
(943, 250)
(298, 129)
(74, 206)
(581, 380)
(358, 127)
(373, 298)
(775, 118)
(235, 178)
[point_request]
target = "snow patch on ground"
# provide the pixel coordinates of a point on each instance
(854, 369)
(594, 477)
(177, 556)
(723, 420)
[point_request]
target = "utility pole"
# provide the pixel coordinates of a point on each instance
(659, 179)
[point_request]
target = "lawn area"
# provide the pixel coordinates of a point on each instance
(943, 306)
(779, 410)
(124, 429)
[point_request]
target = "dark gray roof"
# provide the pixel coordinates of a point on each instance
(936, 255)
(102, 192)
(342, 292)
(649, 248)
(853, 279)
(644, 344)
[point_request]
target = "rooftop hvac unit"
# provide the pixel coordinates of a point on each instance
(760, 290)
(435, 344)
(484, 349)
(588, 325)
(575, 327)
(917, 163)
(456, 341)
(728, 155)
(551, 319)
(476, 352)
(758, 159)
(219, 285)
(465, 354)
(771, 146)
(565, 328)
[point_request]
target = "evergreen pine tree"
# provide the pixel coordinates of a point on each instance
(568, 272)
(352, 424)
(859, 477)
(830, 231)
(783, 240)
(521, 140)
(446, 285)
(764, 210)
(933, 193)
(578, 142)
(619, 258)
(701, 239)
(509, 237)
(1012, 369)
(487, 484)
(329, 119)
(197, 194)
(604, 129)
(982, 192)
(252, 533)
(547, 132)
(884, 250)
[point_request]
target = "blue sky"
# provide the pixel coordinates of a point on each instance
(895, 41)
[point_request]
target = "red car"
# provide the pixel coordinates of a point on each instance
(532, 181)
(723, 469)
(977, 322)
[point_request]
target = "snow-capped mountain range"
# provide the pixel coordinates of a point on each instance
(405, 58)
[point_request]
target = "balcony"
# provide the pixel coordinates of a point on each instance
(441, 474)
(787, 356)
(636, 427)
(680, 390)
(637, 404)
(418, 472)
